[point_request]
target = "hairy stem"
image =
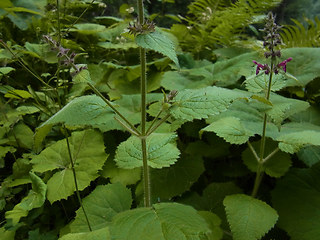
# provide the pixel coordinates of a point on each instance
(76, 183)
(259, 174)
(143, 91)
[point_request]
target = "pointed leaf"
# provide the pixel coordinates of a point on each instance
(165, 221)
(249, 218)
(129, 153)
(158, 42)
(87, 151)
(297, 199)
(214, 224)
(101, 205)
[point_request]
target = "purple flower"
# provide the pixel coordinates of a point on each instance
(283, 64)
(260, 67)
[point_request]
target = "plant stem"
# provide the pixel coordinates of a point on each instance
(158, 124)
(75, 182)
(143, 92)
(259, 174)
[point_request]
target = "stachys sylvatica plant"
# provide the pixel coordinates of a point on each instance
(118, 158)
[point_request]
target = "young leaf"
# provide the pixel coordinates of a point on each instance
(297, 199)
(129, 153)
(165, 221)
(87, 151)
(35, 199)
(249, 218)
(102, 233)
(101, 205)
(201, 103)
(158, 42)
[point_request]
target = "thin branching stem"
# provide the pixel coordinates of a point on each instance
(75, 181)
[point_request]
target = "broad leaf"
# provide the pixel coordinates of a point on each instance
(129, 152)
(249, 218)
(87, 151)
(7, 234)
(201, 103)
(310, 155)
(297, 199)
(35, 199)
(101, 205)
(158, 42)
(259, 83)
(164, 221)
(102, 233)
(276, 166)
(186, 171)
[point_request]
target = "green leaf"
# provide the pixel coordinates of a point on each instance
(22, 135)
(214, 224)
(3, 152)
(101, 206)
(41, 51)
(249, 218)
(201, 103)
(310, 155)
(7, 234)
(276, 166)
(297, 199)
(303, 65)
(259, 83)
(6, 70)
(230, 129)
(186, 171)
(129, 152)
(35, 199)
(100, 234)
(293, 142)
(87, 151)
(88, 28)
(124, 176)
(36, 235)
(83, 77)
(18, 94)
(5, 4)
(165, 221)
(158, 42)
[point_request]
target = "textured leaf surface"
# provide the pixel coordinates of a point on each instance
(102, 233)
(35, 199)
(158, 42)
(161, 151)
(186, 171)
(249, 218)
(165, 221)
(201, 103)
(101, 205)
(276, 166)
(259, 83)
(297, 199)
(310, 155)
(87, 150)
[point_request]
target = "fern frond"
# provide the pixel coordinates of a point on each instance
(198, 7)
(300, 36)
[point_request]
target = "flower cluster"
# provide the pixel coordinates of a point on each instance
(64, 54)
(271, 41)
(138, 28)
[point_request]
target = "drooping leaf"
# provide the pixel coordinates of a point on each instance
(158, 42)
(165, 221)
(87, 151)
(249, 218)
(129, 153)
(186, 171)
(297, 199)
(276, 166)
(101, 205)
(201, 103)
(214, 224)
(35, 199)
(102, 233)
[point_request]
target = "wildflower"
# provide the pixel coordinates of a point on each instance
(260, 67)
(283, 64)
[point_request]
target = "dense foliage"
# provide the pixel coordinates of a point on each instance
(173, 120)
